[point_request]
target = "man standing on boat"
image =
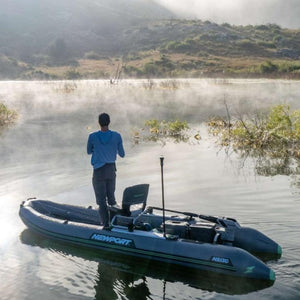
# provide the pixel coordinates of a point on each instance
(104, 145)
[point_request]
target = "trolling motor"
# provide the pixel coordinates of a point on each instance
(163, 193)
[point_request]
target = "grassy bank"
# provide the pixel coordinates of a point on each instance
(153, 65)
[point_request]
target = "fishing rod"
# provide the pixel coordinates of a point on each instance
(213, 219)
(189, 214)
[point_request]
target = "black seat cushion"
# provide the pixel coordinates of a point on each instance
(132, 195)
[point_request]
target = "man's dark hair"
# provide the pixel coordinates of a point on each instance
(104, 119)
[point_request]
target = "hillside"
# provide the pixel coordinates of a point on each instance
(194, 48)
(99, 38)
(30, 27)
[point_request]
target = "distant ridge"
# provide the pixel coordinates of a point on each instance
(30, 26)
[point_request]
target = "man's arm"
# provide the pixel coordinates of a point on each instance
(121, 151)
(89, 145)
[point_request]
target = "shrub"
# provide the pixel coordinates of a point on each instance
(170, 128)
(276, 134)
(92, 55)
(268, 67)
(72, 74)
(266, 44)
(7, 116)
(160, 130)
(132, 71)
(289, 67)
(246, 44)
(151, 68)
(173, 45)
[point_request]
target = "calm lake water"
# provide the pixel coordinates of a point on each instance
(44, 156)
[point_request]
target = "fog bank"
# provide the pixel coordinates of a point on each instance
(242, 12)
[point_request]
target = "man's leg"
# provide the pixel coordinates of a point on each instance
(110, 190)
(111, 183)
(100, 193)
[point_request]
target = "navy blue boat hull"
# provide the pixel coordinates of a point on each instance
(153, 245)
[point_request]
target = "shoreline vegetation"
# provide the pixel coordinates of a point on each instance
(161, 130)
(272, 138)
(8, 117)
(275, 133)
(160, 67)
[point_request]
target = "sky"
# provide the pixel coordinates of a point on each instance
(285, 13)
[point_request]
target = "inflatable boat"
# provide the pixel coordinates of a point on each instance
(133, 270)
(202, 242)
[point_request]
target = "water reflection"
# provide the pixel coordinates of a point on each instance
(284, 166)
(264, 165)
(126, 277)
(112, 282)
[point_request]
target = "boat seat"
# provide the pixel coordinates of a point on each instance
(133, 202)
(123, 221)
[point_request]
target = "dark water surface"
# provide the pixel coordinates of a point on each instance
(44, 156)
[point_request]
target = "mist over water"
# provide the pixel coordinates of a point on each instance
(44, 155)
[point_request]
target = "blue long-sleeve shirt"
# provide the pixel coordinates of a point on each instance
(104, 147)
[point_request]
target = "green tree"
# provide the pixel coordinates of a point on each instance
(58, 50)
